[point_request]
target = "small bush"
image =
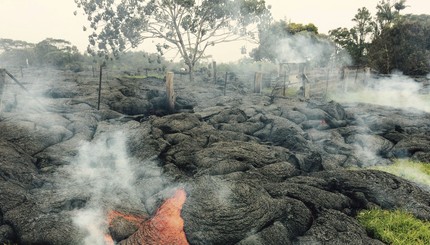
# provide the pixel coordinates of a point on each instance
(395, 227)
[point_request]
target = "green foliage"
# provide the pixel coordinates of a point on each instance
(399, 42)
(16, 57)
(139, 77)
(53, 52)
(294, 28)
(414, 171)
(395, 227)
(405, 46)
(387, 13)
(354, 40)
(140, 60)
(298, 39)
(10, 44)
(57, 52)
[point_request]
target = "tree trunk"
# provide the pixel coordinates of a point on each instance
(387, 60)
(191, 72)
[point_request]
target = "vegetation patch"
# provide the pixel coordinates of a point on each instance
(395, 227)
(417, 172)
(140, 77)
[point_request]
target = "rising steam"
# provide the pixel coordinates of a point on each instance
(301, 48)
(105, 173)
(396, 91)
(109, 178)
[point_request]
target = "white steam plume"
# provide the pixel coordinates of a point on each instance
(301, 48)
(104, 171)
(105, 174)
(396, 91)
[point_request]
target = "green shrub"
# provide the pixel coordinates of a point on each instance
(395, 227)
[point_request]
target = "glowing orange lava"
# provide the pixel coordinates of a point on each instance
(135, 219)
(166, 227)
(109, 240)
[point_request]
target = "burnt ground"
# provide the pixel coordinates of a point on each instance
(256, 170)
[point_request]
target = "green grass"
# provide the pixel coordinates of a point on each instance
(143, 76)
(395, 227)
(417, 172)
(399, 227)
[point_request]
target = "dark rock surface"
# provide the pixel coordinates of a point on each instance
(256, 170)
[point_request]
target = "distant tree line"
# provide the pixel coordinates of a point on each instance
(61, 54)
(49, 52)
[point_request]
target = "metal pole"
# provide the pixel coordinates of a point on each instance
(214, 70)
(2, 80)
(100, 87)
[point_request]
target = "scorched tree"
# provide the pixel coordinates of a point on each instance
(190, 26)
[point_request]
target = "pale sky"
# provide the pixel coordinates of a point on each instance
(35, 20)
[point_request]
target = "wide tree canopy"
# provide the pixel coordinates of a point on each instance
(189, 26)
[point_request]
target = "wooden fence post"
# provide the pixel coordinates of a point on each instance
(305, 83)
(2, 80)
(280, 70)
(257, 82)
(170, 92)
(286, 78)
(225, 82)
(326, 83)
(306, 90)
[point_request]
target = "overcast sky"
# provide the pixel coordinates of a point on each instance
(35, 20)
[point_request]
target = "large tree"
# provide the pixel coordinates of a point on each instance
(282, 41)
(387, 12)
(189, 26)
(356, 39)
(404, 46)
